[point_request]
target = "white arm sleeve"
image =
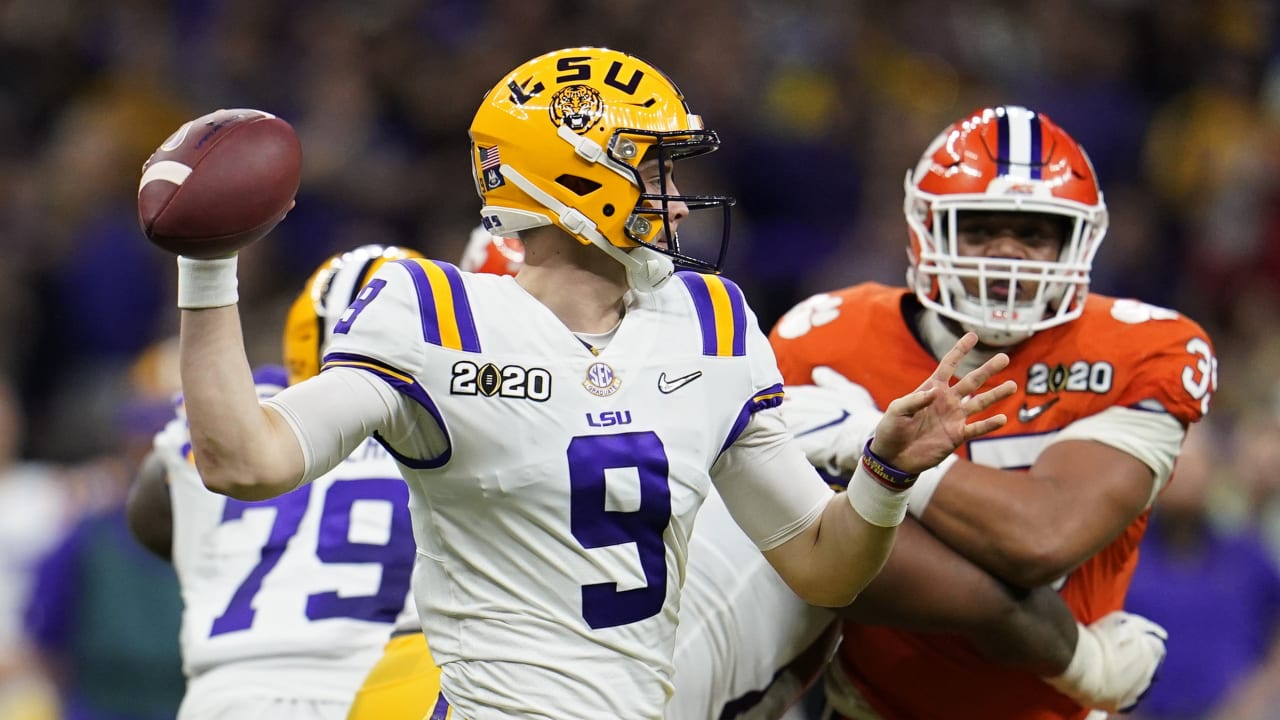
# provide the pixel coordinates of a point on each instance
(1152, 437)
(329, 431)
(769, 487)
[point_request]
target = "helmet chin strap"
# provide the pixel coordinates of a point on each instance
(647, 269)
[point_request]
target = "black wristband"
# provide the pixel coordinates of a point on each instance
(886, 474)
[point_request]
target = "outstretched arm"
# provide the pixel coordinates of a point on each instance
(832, 559)
(242, 448)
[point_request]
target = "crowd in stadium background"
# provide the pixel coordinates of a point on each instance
(822, 105)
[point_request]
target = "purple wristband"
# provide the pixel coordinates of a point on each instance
(886, 474)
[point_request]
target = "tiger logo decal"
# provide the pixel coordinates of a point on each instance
(578, 107)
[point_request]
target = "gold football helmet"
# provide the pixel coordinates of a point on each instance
(331, 288)
(560, 140)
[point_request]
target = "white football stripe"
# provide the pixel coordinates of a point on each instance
(168, 170)
(1019, 142)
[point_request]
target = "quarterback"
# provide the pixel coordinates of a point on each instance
(559, 430)
(1004, 215)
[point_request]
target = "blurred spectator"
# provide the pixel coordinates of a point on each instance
(32, 514)
(1216, 590)
(104, 613)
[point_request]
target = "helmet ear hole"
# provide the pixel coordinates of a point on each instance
(577, 185)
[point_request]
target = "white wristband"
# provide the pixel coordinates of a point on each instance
(207, 283)
(876, 503)
(927, 483)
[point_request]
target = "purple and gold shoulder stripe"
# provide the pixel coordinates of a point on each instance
(722, 313)
(403, 383)
(447, 320)
(767, 398)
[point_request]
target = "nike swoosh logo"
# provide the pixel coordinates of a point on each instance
(666, 387)
(844, 415)
(1026, 414)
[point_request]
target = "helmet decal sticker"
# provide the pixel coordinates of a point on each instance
(579, 107)
(490, 161)
(518, 94)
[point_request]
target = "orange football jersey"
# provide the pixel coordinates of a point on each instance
(1118, 353)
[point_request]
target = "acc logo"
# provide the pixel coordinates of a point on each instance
(509, 381)
(601, 380)
(577, 107)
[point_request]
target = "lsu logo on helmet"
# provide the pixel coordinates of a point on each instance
(577, 107)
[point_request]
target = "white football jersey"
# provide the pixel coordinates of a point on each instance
(740, 626)
(292, 597)
(553, 528)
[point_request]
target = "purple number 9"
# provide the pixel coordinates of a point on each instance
(603, 605)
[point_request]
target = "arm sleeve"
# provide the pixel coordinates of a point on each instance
(769, 487)
(329, 431)
(1155, 438)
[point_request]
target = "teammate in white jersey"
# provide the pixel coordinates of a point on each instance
(559, 430)
(288, 601)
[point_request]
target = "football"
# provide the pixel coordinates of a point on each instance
(219, 183)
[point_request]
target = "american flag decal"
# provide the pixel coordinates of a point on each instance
(489, 158)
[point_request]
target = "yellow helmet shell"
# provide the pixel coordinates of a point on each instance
(576, 124)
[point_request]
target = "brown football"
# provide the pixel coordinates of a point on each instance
(219, 183)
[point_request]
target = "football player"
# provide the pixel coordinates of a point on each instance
(559, 430)
(288, 601)
(727, 662)
(1005, 216)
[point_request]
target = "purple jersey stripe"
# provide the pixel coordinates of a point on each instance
(461, 308)
(767, 398)
(432, 297)
(403, 383)
(441, 710)
(426, 301)
(739, 306)
(697, 287)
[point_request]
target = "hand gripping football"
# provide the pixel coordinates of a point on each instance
(219, 183)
